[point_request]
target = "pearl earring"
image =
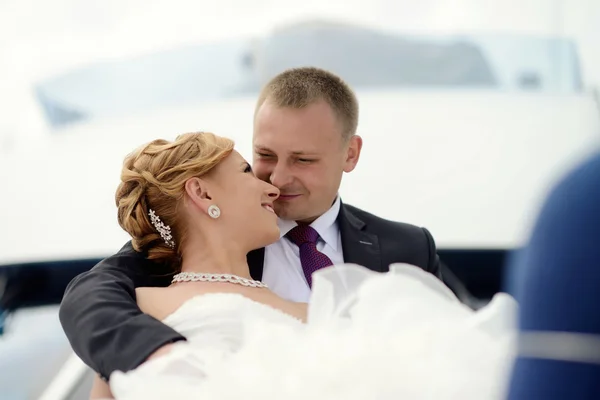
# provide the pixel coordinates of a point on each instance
(214, 211)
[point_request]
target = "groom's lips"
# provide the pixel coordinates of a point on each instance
(286, 197)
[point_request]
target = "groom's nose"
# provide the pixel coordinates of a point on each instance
(281, 175)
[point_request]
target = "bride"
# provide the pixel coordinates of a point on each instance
(194, 203)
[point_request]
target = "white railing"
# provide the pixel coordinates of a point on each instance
(66, 380)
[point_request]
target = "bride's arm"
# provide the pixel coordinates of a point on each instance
(100, 390)
(102, 321)
(149, 305)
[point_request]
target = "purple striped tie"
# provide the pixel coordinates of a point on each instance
(305, 237)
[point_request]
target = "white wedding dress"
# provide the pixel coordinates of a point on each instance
(396, 335)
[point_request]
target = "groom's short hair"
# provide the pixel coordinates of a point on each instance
(300, 87)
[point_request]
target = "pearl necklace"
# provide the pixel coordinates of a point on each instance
(205, 277)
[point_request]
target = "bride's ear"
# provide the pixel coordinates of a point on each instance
(198, 192)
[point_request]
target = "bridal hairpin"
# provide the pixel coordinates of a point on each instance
(164, 230)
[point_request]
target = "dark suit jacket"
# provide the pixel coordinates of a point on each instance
(108, 331)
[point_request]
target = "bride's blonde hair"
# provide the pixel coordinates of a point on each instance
(153, 178)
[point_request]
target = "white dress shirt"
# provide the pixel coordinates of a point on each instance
(282, 270)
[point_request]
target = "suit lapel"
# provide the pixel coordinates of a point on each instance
(256, 260)
(359, 247)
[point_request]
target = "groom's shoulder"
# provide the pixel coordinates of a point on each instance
(136, 265)
(383, 225)
(127, 252)
(126, 257)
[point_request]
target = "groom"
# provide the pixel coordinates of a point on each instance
(304, 140)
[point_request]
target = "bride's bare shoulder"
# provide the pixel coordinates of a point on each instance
(159, 302)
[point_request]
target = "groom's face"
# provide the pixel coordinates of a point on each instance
(303, 153)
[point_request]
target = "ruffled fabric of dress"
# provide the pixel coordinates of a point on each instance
(397, 335)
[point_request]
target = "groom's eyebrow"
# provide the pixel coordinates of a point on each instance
(264, 149)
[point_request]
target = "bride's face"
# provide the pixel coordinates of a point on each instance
(246, 202)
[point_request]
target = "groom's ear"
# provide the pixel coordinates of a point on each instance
(353, 153)
(198, 192)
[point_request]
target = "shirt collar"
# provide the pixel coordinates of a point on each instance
(325, 225)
